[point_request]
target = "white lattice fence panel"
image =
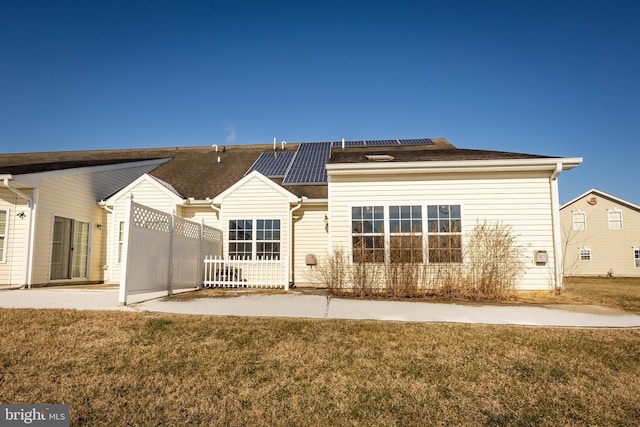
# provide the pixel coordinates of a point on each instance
(151, 219)
(187, 228)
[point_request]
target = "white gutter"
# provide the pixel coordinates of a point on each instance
(555, 225)
(451, 166)
(111, 230)
(290, 243)
(6, 182)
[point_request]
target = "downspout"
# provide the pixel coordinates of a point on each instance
(555, 225)
(218, 211)
(29, 264)
(110, 230)
(290, 245)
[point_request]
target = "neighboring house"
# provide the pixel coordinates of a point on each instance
(601, 235)
(62, 214)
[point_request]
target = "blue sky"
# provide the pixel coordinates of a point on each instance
(559, 78)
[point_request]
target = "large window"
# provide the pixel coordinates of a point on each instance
(367, 225)
(405, 230)
(615, 219)
(406, 238)
(268, 239)
(579, 220)
(263, 243)
(445, 233)
(241, 239)
(3, 235)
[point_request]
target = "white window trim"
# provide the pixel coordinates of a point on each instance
(587, 250)
(425, 231)
(615, 210)
(573, 220)
(254, 238)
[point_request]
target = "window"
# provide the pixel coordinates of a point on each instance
(240, 238)
(264, 243)
(3, 234)
(585, 254)
(120, 240)
(268, 239)
(579, 220)
(615, 219)
(445, 233)
(405, 231)
(636, 257)
(367, 233)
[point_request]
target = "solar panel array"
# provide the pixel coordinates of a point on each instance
(379, 142)
(273, 164)
(308, 165)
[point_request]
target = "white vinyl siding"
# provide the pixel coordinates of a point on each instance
(13, 268)
(76, 197)
(309, 238)
(256, 200)
(520, 200)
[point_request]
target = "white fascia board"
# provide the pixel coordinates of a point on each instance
(602, 194)
(33, 179)
(291, 198)
(463, 166)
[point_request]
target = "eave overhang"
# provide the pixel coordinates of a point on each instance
(457, 166)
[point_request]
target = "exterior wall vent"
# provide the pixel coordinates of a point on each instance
(541, 257)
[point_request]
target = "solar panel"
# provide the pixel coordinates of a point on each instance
(273, 164)
(382, 142)
(308, 165)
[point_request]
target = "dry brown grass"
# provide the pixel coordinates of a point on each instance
(616, 292)
(120, 368)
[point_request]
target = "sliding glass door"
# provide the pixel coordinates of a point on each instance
(69, 249)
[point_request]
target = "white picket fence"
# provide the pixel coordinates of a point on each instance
(245, 273)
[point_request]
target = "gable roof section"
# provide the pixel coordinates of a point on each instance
(291, 198)
(162, 186)
(603, 195)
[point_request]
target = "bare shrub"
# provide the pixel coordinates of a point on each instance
(490, 270)
(494, 261)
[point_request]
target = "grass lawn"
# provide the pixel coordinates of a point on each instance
(617, 292)
(128, 369)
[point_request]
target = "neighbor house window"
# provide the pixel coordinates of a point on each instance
(268, 239)
(3, 234)
(579, 220)
(240, 238)
(444, 233)
(585, 254)
(615, 219)
(405, 233)
(254, 239)
(636, 257)
(367, 233)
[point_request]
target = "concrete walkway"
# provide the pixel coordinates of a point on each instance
(320, 307)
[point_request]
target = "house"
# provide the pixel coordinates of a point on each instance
(601, 235)
(62, 215)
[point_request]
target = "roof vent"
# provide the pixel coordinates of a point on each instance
(379, 157)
